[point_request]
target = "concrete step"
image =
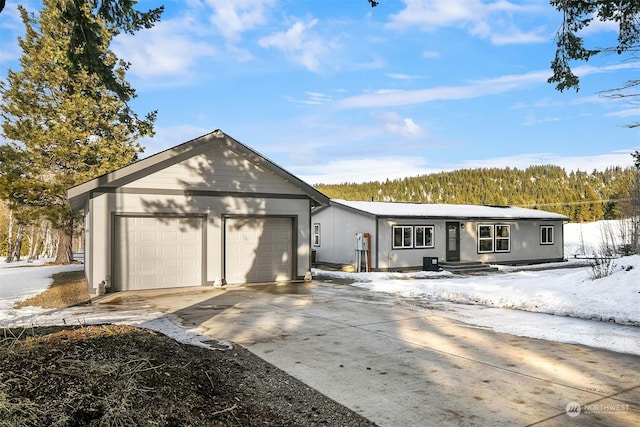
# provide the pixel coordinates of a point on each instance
(467, 267)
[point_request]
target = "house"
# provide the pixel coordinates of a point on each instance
(209, 211)
(395, 236)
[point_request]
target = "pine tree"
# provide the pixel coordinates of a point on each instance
(64, 124)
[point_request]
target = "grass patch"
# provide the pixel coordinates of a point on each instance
(68, 289)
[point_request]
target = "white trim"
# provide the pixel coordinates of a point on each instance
(544, 229)
(316, 234)
(501, 238)
(404, 237)
(486, 239)
(430, 244)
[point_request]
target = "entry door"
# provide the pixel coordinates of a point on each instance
(453, 241)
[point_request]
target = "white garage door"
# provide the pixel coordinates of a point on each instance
(258, 249)
(157, 252)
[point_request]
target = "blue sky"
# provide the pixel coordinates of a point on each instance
(336, 91)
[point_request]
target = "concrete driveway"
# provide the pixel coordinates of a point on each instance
(402, 366)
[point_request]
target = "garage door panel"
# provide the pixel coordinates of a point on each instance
(157, 252)
(258, 250)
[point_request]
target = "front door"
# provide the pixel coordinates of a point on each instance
(453, 241)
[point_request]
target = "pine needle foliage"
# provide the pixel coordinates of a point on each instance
(580, 195)
(63, 124)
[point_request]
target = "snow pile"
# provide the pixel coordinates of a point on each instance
(564, 291)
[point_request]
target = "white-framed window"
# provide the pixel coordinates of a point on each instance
(546, 234)
(316, 234)
(485, 238)
(402, 236)
(424, 236)
(503, 238)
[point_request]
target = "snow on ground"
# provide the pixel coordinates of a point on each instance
(560, 302)
(21, 280)
(560, 289)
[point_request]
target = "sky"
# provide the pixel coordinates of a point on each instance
(560, 304)
(336, 91)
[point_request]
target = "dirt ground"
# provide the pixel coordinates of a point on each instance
(118, 375)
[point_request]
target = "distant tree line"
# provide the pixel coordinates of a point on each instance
(580, 195)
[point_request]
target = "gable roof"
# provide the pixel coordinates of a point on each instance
(435, 210)
(79, 194)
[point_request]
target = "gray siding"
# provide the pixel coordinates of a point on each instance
(389, 258)
(218, 169)
(337, 234)
(223, 176)
(105, 206)
(339, 225)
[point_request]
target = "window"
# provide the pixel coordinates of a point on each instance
(546, 235)
(424, 236)
(402, 236)
(485, 238)
(494, 238)
(316, 234)
(503, 238)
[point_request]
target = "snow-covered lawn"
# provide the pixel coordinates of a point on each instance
(21, 280)
(564, 290)
(559, 291)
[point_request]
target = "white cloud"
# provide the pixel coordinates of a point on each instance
(362, 170)
(313, 98)
(631, 112)
(299, 44)
(478, 17)
(400, 76)
(430, 15)
(375, 64)
(519, 37)
(396, 124)
(598, 26)
(170, 48)
(431, 54)
(232, 18)
(532, 119)
(474, 89)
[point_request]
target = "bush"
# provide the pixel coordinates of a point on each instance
(602, 265)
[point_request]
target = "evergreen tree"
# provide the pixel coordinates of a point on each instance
(65, 126)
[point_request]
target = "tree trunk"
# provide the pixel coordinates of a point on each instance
(65, 242)
(47, 244)
(36, 238)
(17, 246)
(10, 238)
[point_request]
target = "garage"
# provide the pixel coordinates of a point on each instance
(205, 212)
(258, 249)
(157, 252)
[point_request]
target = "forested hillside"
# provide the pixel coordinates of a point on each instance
(582, 196)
